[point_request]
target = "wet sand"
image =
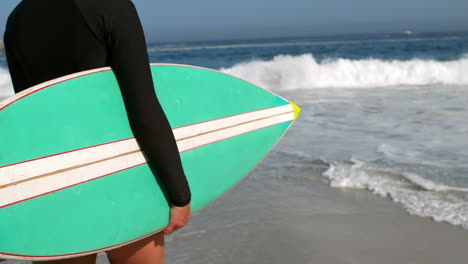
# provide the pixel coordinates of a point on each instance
(337, 227)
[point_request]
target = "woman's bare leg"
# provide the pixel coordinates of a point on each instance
(146, 251)
(90, 259)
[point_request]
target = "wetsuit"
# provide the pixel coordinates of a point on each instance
(46, 39)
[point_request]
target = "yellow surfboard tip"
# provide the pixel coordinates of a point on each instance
(297, 110)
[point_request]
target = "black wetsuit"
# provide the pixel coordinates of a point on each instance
(46, 39)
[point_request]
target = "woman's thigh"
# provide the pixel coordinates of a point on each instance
(145, 251)
(90, 259)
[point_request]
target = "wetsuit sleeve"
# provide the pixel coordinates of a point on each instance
(129, 60)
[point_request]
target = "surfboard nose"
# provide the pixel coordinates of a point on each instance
(297, 110)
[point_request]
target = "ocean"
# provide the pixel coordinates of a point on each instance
(383, 113)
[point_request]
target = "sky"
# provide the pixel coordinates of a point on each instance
(189, 20)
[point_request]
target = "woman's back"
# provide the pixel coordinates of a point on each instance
(49, 39)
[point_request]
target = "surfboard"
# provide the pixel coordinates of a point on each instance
(73, 180)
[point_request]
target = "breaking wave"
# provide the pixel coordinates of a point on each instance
(305, 72)
(6, 88)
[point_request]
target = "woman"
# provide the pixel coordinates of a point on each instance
(46, 39)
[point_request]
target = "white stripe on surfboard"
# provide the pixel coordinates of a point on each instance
(29, 169)
(71, 168)
(204, 127)
(40, 186)
(204, 139)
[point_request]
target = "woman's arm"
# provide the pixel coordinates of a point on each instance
(129, 60)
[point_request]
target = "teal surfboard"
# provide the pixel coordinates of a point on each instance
(73, 180)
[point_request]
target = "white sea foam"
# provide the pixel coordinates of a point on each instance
(416, 194)
(6, 87)
(430, 185)
(305, 72)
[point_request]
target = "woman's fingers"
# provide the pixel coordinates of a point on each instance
(180, 216)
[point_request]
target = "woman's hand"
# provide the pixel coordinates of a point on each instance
(179, 218)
